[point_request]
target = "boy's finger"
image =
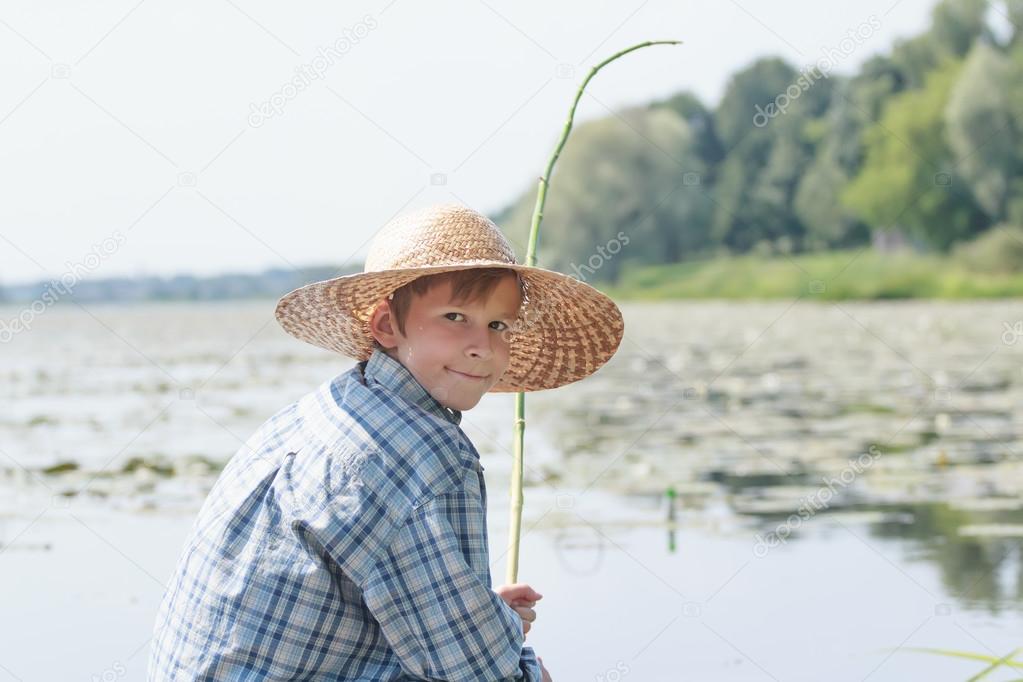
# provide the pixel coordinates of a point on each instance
(526, 614)
(521, 591)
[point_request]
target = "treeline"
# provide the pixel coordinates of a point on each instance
(269, 283)
(922, 147)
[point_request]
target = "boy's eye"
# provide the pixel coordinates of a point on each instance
(453, 317)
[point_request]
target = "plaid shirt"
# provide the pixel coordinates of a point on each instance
(346, 541)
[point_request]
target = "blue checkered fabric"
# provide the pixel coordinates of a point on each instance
(347, 540)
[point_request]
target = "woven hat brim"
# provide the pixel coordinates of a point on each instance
(566, 331)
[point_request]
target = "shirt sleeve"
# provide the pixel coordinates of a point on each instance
(438, 616)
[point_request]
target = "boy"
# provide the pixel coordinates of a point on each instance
(348, 540)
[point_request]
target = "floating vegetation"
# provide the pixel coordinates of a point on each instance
(869, 408)
(189, 466)
(138, 464)
(60, 468)
(993, 530)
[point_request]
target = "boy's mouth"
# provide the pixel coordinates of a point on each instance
(471, 377)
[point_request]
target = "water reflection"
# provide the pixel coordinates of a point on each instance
(762, 405)
(978, 565)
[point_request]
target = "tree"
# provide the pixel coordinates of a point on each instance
(706, 142)
(792, 159)
(906, 180)
(839, 153)
(754, 88)
(869, 90)
(635, 174)
(1014, 13)
(763, 119)
(983, 133)
(955, 26)
(914, 59)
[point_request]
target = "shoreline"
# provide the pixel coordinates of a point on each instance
(828, 276)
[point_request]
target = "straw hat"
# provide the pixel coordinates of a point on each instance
(565, 331)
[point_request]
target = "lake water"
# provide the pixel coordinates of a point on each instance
(747, 491)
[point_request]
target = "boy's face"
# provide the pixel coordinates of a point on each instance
(457, 351)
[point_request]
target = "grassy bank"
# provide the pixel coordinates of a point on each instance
(836, 275)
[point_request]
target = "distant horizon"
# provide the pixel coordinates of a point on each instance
(4, 284)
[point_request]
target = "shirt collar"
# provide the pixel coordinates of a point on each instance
(388, 372)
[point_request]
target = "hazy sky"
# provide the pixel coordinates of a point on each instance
(129, 130)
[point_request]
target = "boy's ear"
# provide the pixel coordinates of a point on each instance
(381, 325)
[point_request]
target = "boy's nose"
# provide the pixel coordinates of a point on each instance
(480, 352)
(480, 346)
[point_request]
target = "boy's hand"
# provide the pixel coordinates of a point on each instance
(522, 598)
(546, 675)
